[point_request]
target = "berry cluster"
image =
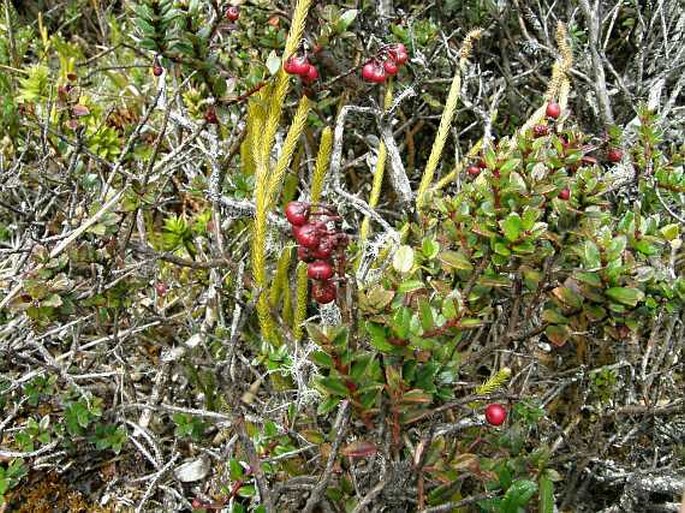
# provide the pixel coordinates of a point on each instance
(319, 245)
(300, 65)
(377, 70)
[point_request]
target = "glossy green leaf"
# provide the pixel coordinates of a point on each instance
(625, 295)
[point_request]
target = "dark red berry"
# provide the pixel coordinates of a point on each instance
(325, 248)
(481, 164)
(565, 194)
(390, 67)
(553, 110)
(320, 270)
(374, 72)
(324, 292)
(311, 75)
(297, 213)
(307, 235)
(210, 116)
(473, 171)
(615, 155)
(297, 65)
(233, 13)
(157, 68)
(540, 130)
(305, 254)
(495, 414)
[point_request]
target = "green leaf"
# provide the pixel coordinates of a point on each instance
(346, 19)
(546, 495)
(568, 297)
(591, 257)
(410, 286)
(518, 495)
(427, 320)
(512, 226)
(455, 260)
(509, 165)
(334, 386)
(430, 248)
(401, 322)
(379, 338)
(403, 259)
(557, 334)
(670, 231)
(625, 295)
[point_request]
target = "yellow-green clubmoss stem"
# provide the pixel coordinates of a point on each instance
(266, 181)
(445, 120)
(302, 300)
(322, 161)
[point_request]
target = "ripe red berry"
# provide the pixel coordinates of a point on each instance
(481, 164)
(325, 248)
(473, 171)
(324, 292)
(210, 116)
(320, 270)
(307, 235)
(305, 254)
(373, 72)
(553, 110)
(615, 155)
(297, 65)
(311, 75)
(398, 53)
(495, 414)
(540, 130)
(297, 212)
(232, 13)
(390, 67)
(565, 194)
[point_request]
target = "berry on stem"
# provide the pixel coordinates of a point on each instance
(297, 65)
(495, 414)
(320, 270)
(373, 72)
(553, 110)
(297, 212)
(311, 75)
(324, 292)
(473, 171)
(232, 13)
(307, 235)
(398, 53)
(390, 67)
(615, 155)
(565, 194)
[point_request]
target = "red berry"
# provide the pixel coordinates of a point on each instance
(297, 65)
(210, 116)
(398, 53)
(297, 212)
(325, 248)
(305, 254)
(324, 292)
(311, 75)
(307, 235)
(473, 171)
(320, 270)
(390, 67)
(553, 110)
(481, 164)
(615, 155)
(565, 194)
(495, 414)
(540, 130)
(373, 72)
(232, 13)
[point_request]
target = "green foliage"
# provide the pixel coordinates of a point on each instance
(10, 475)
